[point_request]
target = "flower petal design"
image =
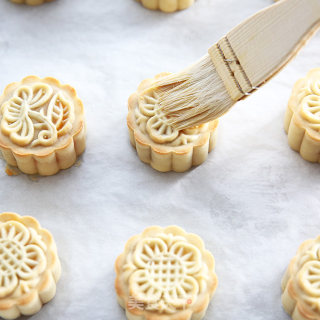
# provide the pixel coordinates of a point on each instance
(61, 114)
(189, 148)
(29, 266)
(141, 120)
(301, 282)
(37, 240)
(33, 264)
(189, 255)
(148, 103)
(311, 88)
(16, 122)
(312, 253)
(163, 283)
(310, 110)
(47, 131)
(11, 257)
(302, 119)
(315, 87)
(18, 259)
(13, 230)
(23, 95)
(144, 290)
(166, 274)
(147, 250)
(309, 278)
(38, 95)
(157, 126)
(36, 115)
(160, 131)
(182, 294)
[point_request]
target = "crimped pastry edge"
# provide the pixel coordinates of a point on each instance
(188, 314)
(32, 302)
(59, 158)
(167, 6)
(166, 158)
(301, 138)
(31, 2)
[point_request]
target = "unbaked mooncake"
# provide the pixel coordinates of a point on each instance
(42, 128)
(165, 274)
(302, 120)
(167, 5)
(158, 143)
(301, 283)
(31, 2)
(29, 266)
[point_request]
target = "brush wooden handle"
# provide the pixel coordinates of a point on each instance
(260, 47)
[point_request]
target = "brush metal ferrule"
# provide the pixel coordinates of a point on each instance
(230, 70)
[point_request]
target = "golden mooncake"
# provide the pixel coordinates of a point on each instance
(160, 144)
(29, 266)
(167, 5)
(302, 120)
(165, 274)
(42, 126)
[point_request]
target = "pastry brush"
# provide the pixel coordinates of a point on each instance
(238, 64)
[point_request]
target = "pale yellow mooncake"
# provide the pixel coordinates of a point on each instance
(301, 283)
(167, 5)
(42, 126)
(302, 120)
(165, 274)
(29, 266)
(158, 143)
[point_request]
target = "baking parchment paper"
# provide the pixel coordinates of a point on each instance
(253, 201)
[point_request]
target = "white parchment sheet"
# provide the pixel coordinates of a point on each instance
(253, 201)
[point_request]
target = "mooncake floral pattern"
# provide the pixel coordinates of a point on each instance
(309, 276)
(152, 121)
(22, 258)
(157, 127)
(37, 115)
(165, 276)
(165, 273)
(310, 104)
(301, 283)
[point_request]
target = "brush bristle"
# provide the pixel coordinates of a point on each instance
(193, 96)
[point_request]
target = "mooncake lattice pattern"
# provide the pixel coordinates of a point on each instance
(165, 272)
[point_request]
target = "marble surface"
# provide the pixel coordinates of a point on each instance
(253, 201)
